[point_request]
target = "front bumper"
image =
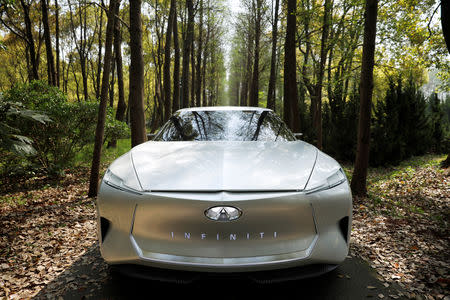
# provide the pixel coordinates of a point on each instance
(315, 231)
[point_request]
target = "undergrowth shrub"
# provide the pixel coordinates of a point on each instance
(72, 125)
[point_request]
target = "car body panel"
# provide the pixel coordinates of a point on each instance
(223, 166)
(330, 245)
(270, 223)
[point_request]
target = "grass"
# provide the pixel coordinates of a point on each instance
(406, 169)
(84, 157)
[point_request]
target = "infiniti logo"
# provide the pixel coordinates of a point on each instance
(223, 213)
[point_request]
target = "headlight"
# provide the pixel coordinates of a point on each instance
(121, 175)
(327, 173)
(331, 181)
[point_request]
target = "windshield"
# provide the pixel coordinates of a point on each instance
(225, 125)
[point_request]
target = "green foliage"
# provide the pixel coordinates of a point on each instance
(72, 127)
(340, 125)
(436, 115)
(11, 139)
(400, 125)
(84, 157)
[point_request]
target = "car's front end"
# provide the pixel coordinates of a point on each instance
(277, 222)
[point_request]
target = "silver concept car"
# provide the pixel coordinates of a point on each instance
(225, 189)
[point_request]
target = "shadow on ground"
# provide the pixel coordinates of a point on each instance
(89, 278)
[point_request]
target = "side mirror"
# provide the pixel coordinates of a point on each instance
(298, 135)
(150, 136)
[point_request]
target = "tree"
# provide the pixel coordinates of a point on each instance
(136, 95)
(57, 43)
(99, 56)
(82, 44)
(51, 72)
(254, 85)
(291, 112)
(100, 130)
(186, 55)
(166, 76)
(198, 87)
(121, 105)
(30, 40)
(8, 15)
(445, 20)
(359, 178)
(317, 103)
(176, 66)
(272, 79)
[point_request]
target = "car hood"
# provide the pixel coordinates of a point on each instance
(223, 166)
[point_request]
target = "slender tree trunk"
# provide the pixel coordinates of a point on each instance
(176, 65)
(100, 130)
(205, 59)
(48, 45)
(254, 86)
(198, 92)
(112, 82)
(247, 72)
(445, 21)
(136, 95)
(57, 43)
(193, 83)
(186, 55)
(166, 71)
(272, 78)
(33, 75)
(317, 117)
(121, 105)
(99, 62)
(358, 184)
(84, 54)
(291, 112)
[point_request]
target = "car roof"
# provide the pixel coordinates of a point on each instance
(226, 108)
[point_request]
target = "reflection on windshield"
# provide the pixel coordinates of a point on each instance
(224, 125)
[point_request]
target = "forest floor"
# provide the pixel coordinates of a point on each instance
(401, 230)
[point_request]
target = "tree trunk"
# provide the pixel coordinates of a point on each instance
(83, 55)
(84, 76)
(358, 184)
(317, 117)
(247, 72)
(57, 43)
(48, 45)
(272, 78)
(99, 62)
(198, 91)
(121, 105)
(176, 64)
(254, 86)
(136, 95)
(205, 59)
(291, 112)
(166, 71)
(193, 104)
(100, 130)
(33, 74)
(445, 21)
(186, 55)
(112, 82)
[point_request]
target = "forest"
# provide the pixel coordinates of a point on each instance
(366, 81)
(301, 59)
